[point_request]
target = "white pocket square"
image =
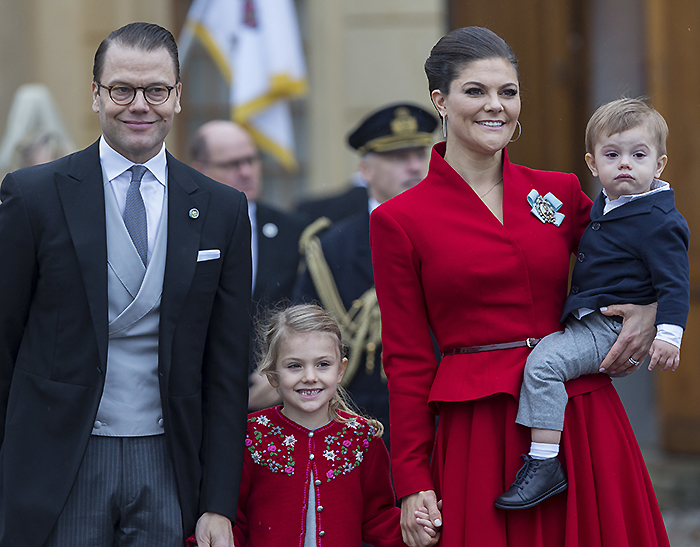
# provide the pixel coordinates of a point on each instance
(209, 254)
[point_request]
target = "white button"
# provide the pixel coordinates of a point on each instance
(311, 456)
(311, 434)
(322, 533)
(160, 422)
(97, 424)
(319, 508)
(317, 482)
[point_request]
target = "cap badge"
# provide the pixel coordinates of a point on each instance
(403, 122)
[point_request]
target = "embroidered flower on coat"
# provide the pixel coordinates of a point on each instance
(348, 447)
(343, 450)
(269, 446)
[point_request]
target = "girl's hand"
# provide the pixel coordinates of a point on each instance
(414, 532)
(423, 518)
(665, 355)
(635, 339)
(214, 530)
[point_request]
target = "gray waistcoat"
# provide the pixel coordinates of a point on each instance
(130, 404)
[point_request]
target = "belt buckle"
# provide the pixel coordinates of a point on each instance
(531, 342)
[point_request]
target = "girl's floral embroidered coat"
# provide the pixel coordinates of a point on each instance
(354, 499)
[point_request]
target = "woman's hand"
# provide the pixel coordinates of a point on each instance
(414, 508)
(635, 338)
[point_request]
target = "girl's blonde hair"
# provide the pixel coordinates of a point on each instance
(302, 319)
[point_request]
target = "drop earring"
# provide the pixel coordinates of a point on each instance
(444, 126)
(520, 132)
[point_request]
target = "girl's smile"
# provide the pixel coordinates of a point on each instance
(307, 373)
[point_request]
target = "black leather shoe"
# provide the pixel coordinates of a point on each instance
(536, 481)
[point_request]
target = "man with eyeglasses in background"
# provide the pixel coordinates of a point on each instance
(124, 327)
(226, 152)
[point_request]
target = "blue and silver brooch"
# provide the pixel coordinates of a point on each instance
(545, 207)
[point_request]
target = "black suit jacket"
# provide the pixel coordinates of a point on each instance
(278, 254)
(53, 338)
(278, 263)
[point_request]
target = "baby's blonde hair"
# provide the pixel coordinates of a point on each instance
(303, 319)
(623, 114)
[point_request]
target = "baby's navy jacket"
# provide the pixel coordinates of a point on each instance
(638, 254)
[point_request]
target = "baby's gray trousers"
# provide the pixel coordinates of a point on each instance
(559, 357)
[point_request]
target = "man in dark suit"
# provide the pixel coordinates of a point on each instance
(393, 143)
(124, 327)
(225, 151)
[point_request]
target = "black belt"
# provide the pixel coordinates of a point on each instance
(529, 343)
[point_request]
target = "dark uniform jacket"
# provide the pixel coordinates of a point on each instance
(339, 207)
(346, 249)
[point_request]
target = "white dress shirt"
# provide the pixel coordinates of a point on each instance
(115, 172)
(252, 209)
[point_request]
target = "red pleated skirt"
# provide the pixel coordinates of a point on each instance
(609, 503)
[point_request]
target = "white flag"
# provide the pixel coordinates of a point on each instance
(257, 47)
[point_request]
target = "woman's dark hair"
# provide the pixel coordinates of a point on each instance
(143, 36)
(460, 47)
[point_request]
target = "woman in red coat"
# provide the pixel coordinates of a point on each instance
(463, 254)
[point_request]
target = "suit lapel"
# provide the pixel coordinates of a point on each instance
(187, 210)
(81, 191)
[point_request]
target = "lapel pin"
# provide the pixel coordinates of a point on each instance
(194, 213)
(270, 230)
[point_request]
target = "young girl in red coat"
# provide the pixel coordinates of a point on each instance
(315, 472)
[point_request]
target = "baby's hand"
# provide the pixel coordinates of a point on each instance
(665, 355)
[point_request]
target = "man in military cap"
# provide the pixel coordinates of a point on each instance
(393, 143)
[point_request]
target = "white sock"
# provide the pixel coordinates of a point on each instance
(542, 451)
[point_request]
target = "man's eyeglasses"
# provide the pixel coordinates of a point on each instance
(123, 95)
(234, 165)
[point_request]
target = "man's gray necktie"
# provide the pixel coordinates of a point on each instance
(135, 213)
